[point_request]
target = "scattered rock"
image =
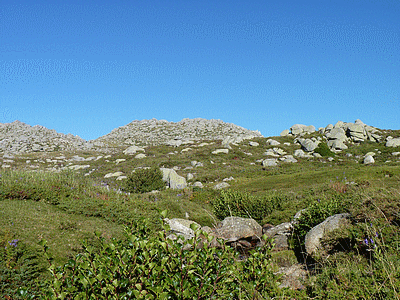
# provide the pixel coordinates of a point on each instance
(173, 180)
(221, 185)
(270, 162)
(132, 150)
(285, 132)
(271, 142)
(226, 151)
(253, 144)
(198, 184)
(393, 142)
(369, 159)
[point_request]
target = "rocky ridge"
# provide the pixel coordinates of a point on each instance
(18, 137)
(155, 132)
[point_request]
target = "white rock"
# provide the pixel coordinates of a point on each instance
(271, 142)
(221, 185)
(369, 160)
(269, 162)
(117, 161)
(285, 132)
(140, 156)
(226, 151)
(198, 184)
(253, 144)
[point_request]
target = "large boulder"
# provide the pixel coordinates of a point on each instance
(246, 232)
(337, 133)
(314, 236)
(356, 131)
(297, 129)
(337, 144)
(173, 180)
(393, 142)
(308, 144)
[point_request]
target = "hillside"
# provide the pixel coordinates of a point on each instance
(219, 170)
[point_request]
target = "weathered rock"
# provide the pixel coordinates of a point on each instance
(297, 129)
(288, 159)
(253, 144)
(299, 153)
(116, 174)
(221, 185)
(369, 159)
(181, 227)
(308, 144)
(337, 144)
(269, 162)
(293, 276)
(173, 180)
(232, 229)
(337, 133)
(285, 132)
(271, 142)
(140, 155)
(218, 151)
(132, 150)
(280, 235)
(198, 184)
(314, 236)
(393, 142)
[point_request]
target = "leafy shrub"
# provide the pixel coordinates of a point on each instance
(156, 267)
(242, 204)
(324, 150)
(145, 180)
(19, 269)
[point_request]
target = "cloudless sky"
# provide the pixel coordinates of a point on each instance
(87, 67)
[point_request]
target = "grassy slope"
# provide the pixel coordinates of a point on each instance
(66, 208)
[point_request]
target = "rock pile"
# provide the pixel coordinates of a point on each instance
(155, 132)
(336, 135)
(18, 137)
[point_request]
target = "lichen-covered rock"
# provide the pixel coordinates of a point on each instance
(314, 236)
(232, 229)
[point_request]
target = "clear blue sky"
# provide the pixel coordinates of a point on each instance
(87, 67)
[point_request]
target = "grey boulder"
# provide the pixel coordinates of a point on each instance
(314, 236)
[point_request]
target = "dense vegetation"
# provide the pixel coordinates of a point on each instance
(69, 236)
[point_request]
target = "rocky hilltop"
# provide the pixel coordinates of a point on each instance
(155, 132)
(18, 137)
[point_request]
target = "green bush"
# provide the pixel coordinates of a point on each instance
(20, 267)
(155, 267)
(145, 180)
(242, 204)
(324, 150)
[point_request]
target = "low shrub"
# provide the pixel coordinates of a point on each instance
(242, 204)
(324, 150)
(144, 180)
(155, 267)
(20, 267)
